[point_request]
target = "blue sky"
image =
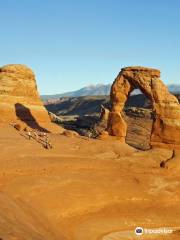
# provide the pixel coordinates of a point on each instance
(73, 43)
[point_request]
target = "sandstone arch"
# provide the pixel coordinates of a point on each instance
(166, 125)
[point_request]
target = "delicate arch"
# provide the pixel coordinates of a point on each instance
(166, 125)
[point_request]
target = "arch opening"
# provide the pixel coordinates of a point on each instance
(138, 115)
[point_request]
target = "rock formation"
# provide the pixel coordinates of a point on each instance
(20, 101)
(166, 108)
(104, 114)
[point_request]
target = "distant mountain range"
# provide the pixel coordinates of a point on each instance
(174, 88)
(98, 90)
(91, 90)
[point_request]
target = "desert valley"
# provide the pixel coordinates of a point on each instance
(96, 171)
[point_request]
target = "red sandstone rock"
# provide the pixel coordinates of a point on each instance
(70, 133)
(166, 127)
(20, 100)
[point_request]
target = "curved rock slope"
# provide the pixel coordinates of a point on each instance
(20, 100)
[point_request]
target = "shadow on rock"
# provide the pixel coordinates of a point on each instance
(24, 114)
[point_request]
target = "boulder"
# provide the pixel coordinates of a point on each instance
(17, 127)
(70, 133)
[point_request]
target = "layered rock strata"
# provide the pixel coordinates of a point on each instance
(20, 100)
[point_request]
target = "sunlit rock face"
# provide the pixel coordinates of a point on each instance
(20, 100)
(166, 108)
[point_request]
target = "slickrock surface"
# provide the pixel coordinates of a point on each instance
(166, 108)
(20, 101)
(81, 188)
(85, 189)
